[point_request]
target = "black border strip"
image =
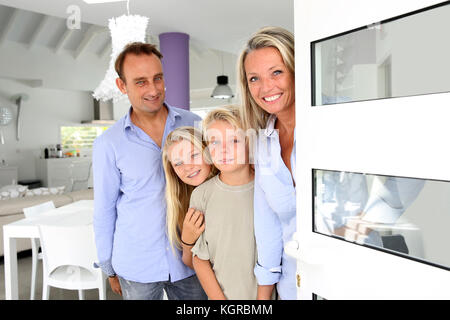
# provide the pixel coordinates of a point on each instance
(313, 75)
(395, 253)
(313, 62)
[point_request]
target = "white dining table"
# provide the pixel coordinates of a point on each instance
(76, 213)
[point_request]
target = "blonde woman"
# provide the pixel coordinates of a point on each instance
(267, 84)
(186, 164)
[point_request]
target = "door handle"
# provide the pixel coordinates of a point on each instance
(292, 249)
(309, 254)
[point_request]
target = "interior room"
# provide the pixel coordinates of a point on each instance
(362, 214)
(54, 54)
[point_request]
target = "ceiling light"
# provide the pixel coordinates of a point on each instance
(101, 1)
(124, 30)
(222, 90)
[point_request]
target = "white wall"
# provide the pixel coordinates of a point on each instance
(41, 116)
(58, 71)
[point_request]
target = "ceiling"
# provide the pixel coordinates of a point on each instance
(222, 25)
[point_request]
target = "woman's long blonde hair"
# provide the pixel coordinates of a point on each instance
(178, 193)
(253, 116)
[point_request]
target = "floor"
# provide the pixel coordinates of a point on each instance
(24, 266)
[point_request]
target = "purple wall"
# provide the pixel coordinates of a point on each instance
(174, 47)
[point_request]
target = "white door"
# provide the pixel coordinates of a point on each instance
(379, 130)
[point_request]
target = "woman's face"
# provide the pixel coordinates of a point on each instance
(188, 163)
(270, 82)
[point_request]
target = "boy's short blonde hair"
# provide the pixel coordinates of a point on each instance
(230, 114)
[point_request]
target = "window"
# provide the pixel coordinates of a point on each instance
(398, 57)
(404, 216)
(80, 137)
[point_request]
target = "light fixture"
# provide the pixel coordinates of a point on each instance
(18, 99)
(124, 29)
(222, 90)
(6, 117)
(101, 1)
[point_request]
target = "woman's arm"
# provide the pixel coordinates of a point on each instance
(208, 279)
(269, 243)
(193, 227)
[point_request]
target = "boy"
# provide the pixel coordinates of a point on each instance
(225, 254)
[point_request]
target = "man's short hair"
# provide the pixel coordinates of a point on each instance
(136, 48)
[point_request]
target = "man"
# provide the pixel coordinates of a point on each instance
(129, 185)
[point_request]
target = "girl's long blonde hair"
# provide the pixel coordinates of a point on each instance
(178, 193)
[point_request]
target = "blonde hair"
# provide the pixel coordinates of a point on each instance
(232, 115)
(178, 193)
(253, 116)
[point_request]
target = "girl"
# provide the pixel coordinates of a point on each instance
(186, 163)
(225, 254)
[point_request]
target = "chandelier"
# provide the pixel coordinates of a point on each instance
(124, 30)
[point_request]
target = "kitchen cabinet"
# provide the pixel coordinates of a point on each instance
(8, 175)
(74, 173)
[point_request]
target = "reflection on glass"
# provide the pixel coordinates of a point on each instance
(406, 215)
(402, 57)
(317, 297)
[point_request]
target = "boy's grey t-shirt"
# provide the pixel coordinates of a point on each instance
(228, 240)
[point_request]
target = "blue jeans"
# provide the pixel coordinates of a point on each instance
(186, 289)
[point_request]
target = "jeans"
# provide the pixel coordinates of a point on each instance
(186, 289)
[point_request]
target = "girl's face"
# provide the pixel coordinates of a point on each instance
(227, 146)
(270, 82)
(188, 163)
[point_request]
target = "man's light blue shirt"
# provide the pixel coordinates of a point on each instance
(275, 212)
(130, 207)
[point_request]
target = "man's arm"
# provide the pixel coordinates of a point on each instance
(106, 191)
(389, 200)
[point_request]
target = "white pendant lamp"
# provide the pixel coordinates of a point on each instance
(124, 30)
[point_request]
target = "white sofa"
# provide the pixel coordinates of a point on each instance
(11, 210)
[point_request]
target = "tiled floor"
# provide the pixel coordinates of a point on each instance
(24, 266)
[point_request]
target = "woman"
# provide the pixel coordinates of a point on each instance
(186, 163)
(266, 75)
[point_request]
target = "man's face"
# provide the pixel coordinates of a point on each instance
(144, 82)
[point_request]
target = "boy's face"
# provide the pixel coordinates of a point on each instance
(227, 146)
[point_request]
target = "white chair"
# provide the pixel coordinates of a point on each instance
(69, 256)
(84, 182)
(31, 212)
